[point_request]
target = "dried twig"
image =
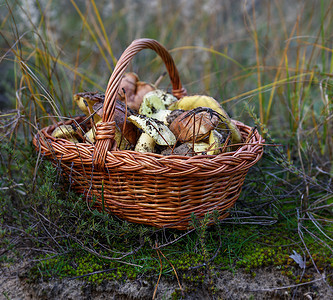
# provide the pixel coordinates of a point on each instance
(181, 289)
(159, 276)
(287, 286)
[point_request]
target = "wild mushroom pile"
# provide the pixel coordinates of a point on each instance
(155, 121)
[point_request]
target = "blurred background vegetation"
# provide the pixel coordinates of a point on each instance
(274, 55)
(269, 63)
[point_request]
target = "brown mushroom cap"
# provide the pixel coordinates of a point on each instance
(183, 149)
(131, 132)
(193, 126)
(128, 83)
(134, 89)
(142, 88)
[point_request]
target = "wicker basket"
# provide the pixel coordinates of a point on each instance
(149, 188)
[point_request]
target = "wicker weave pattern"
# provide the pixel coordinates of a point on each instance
(150, 188)
(156, 164)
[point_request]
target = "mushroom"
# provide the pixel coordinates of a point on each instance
(193, 125)
(183, 149)
(130, 132)
(188, 149)
(67, 132)
(154, 132)
(216, 140)
(173, 115)
(142, 88)
(126, 138)
(200, 148)
(128, 83)
(122, 142)
(154, 105)
(162, 115)
(192, 102)
(166, 98)
(134, 90)
(145, 143)
(151, 104)
(86, 101)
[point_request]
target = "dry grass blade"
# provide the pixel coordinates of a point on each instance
(181, 289)
(92, 34)
(288, 286)
(300, 233)
(159, 276)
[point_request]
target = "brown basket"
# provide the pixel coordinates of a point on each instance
(149, 188)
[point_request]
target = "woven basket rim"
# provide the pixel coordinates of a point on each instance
(152, 163)
(46, 132)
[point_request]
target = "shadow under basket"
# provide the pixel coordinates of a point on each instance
(149, 188)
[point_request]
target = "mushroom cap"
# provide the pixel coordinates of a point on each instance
(134, 90)
(65, 132)
(154, 128)
(142, 88)
(151, 104)
(90, 97)
(154, 101)
(183, 149)
(197, 126)
(128, 83)
(165, 97)
(173, 115)
(131, 132)
(191, 102)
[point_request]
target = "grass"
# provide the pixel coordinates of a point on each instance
(268, 64)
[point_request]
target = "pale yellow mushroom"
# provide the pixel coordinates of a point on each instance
(166, 98)
(91, 134)
(145, 143)
(215, 142)
(65, 132)
(86, 101)
(151, 104)
(162, 115)
(154, 105)
(199, 148)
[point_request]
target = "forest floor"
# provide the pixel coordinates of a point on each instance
(267, 284)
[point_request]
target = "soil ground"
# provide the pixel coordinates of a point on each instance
(267, 284)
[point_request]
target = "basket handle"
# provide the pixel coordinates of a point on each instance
(105, 130)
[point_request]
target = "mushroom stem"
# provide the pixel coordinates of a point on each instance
(145, 143)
